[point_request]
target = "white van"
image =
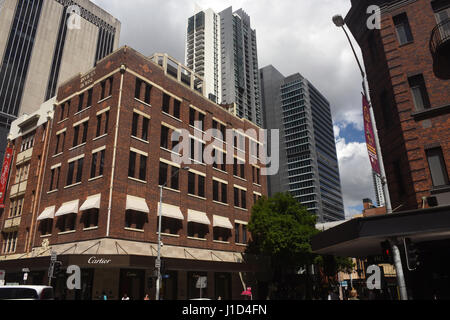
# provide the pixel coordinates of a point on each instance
(26, 293)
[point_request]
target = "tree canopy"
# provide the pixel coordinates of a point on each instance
(282, 229)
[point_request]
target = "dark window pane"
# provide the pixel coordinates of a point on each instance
(437, 166)
(166, 103)
(176, 108)
(80, 170)
(164, 137)
(137, 90)
(70, 173)
(163, 168)
(99, 124)
(102, 162)
(224, 193)
(85, 131)
(75, 135)
(174, 184)
(147, 93)
(143, 168)
(215, 190)
(134, 126)
(236, 197)
(191, 183)
(89, 101)
(191, 117)
(132, 164)
(145, 124)
(403, 28)
(243, 199)
(94, 165)
(201, 186)
(106, 122)
(80, 101)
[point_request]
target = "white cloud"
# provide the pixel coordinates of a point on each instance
(355, 170)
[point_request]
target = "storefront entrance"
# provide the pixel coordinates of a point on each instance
(169, 289)
(223, 286)
(132, 283)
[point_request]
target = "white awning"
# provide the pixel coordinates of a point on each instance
(92, 202)
(198, 217)
(68, 208)
(48, 213)
(222, 222)
(137, 204)
(171, 211)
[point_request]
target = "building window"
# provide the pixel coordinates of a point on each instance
(196, 119)
(101, 122)
(197, 230)
(221, 234)
(46, 227)
(167, 172)
(220, 130)
(140, 94)
(256, 175)
(67, 222)
(166, 103)
(90, 218)
(197, 150)
(240, 233)
(106, 88)
(135, 220)
(27, 142)
(22, 172)
(98, 161)
(240, 198)
(54, 178)
(132, 166)
(9, 242)
(78, 164)
(60, 142)
(220, 191)
(219, 160)
(419, 92)
(89, 100)
(176, 108)
(76, 135)
(144, 127)
(16, 207)
(196, 184)
(403, 29)
(80, 102)
(64, 111)
(438, 170)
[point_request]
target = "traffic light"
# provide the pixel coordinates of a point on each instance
(387, 252)
(57, 268)
(412, 254)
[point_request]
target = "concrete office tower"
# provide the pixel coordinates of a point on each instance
(240, 81)
(203, 51)
(308, 163)
(38, 51)
(378, 185)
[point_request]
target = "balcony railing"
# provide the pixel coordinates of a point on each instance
(440, 49)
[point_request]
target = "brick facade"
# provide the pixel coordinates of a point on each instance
(405, 133)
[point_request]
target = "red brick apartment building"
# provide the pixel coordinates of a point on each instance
(408, 69)
(85, 177)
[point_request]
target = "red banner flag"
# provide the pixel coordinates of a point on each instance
(4, 175)
(370, 137)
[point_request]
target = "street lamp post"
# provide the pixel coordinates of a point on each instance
(340, 22)
(158, 258)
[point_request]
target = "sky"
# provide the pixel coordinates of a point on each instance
(292, 35)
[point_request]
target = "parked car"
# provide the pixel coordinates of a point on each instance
(26, 293)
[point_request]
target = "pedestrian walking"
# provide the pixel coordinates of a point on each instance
(125, 297)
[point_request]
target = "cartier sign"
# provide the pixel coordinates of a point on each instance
(95, 260)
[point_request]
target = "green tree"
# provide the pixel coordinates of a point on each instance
(282, 229)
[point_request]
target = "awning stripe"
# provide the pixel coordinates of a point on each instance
(48, 213)
(198, 217)
(92, 202)
(137, 204)
(171, 211)
(222, 222)
(67, 208)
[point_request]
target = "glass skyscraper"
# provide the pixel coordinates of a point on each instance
(308, 163)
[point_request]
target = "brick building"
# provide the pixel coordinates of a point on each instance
(95, 159)
(411, 103)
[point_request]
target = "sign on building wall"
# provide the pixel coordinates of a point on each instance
(4, 175)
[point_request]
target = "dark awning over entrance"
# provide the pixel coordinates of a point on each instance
(361, 237)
